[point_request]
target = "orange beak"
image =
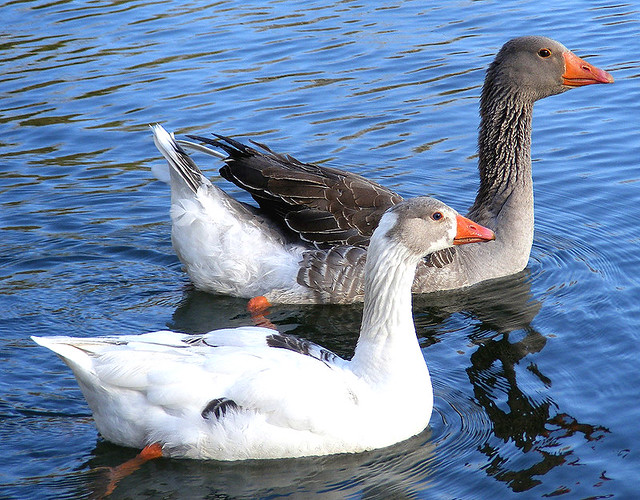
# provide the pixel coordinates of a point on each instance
(470, 232)
(578, 72)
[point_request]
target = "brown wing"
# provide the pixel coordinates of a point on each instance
(322, 205)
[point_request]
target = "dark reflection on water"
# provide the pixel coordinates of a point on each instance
(378, 474)
(501, 305)
(535, 427)
(518, 416)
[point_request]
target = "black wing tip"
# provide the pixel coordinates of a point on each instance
(227, 144)
(301, 346)
(218, 408)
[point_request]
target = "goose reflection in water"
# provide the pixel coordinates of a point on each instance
(522, 424)
(399, 471)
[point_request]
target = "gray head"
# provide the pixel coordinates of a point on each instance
(537, 67)
(425, 225)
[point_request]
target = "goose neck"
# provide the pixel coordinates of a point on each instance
(504, 147)
(387, 345)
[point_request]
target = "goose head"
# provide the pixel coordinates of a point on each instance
(425, 225)
(538, 67)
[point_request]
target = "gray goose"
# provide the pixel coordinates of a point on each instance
(306, 243)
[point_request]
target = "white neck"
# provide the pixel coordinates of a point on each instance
(387, 347)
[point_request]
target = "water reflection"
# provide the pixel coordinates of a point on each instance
(526, 428)
(400, 471)
(500, 305)
(335, 327)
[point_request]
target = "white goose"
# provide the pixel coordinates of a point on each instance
(252, 393)
(230, 249)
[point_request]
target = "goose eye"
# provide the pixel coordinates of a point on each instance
(544, 52)
(437, 216)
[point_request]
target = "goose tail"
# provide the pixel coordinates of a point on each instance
(181, 168)
(226, 246)
(77, 358)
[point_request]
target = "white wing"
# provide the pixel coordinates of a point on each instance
(288, 382)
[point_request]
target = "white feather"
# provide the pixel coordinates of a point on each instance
(223, 245)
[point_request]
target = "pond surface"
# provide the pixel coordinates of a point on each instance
(536, 376)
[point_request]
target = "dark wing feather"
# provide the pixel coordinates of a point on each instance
(336, 275)
(323, 205)
(440, 258)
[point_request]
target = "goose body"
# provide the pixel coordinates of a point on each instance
(251, 392)
(307, 240)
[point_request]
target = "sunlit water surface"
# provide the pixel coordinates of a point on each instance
(536, 376)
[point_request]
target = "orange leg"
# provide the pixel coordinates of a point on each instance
(130, 466)
(258, 308)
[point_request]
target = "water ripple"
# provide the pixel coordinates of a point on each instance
(459, 425)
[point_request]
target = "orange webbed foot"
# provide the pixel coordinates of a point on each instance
(116, 474)
(258, 307)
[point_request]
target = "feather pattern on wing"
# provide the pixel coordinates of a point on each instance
(348, 205)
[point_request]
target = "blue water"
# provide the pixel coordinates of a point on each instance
(536, 376)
